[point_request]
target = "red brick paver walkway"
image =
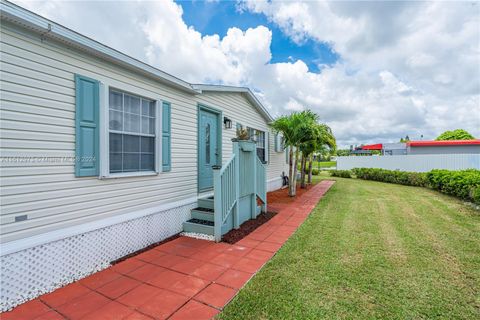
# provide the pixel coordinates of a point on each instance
(182, 279)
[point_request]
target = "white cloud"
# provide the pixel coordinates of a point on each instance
(406, 67)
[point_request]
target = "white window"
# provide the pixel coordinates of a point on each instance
(279, 143)
(261, 140)
(132, 133)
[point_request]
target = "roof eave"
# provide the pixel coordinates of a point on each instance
(49, 29)
(249, 94)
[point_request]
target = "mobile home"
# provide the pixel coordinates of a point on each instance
(103, 155)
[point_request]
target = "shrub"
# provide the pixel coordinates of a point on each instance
(315, 172)
(464, 184)
(476, 194)
(418, 179)
(341, 173)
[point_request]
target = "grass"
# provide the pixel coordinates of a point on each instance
(325, 164)
(322, 164)
(372, 250)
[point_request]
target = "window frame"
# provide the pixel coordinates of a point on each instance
(105, 131)
(265, 142)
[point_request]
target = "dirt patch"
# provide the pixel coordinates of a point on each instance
(247, 227)
(153, 245)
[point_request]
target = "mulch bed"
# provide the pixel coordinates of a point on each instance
(281, 195)
(247, 227)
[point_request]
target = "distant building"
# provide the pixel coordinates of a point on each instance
(390, 149)
(444, 147)
(426, 147)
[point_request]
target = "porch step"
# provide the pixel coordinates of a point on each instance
(206, 202)
(198, 226)
(203, 214)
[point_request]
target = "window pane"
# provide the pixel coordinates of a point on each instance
(131, 143)
(261, 153)
(145, 107)
(145, 124)
(147, 162)
(151, 126)
(207, 144)
(148, 145)
(115, 143)
(131, 162)
(115, 121)
(132, 123)
(260, 139)
(131, 104)
(115, 101)
(115, 162)
(152, 108)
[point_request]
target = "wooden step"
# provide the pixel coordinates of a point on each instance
(198, 226)
(202, 214)
(206, 203)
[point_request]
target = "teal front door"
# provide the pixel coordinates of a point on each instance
(208, 145)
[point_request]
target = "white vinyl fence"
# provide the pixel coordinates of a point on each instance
(414, 163)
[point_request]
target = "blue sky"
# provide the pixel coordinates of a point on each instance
(217, 17)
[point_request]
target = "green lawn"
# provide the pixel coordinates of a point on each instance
(372, 250)
(322, 164)
(325, 164)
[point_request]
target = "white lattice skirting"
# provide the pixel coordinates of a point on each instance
(34, 271)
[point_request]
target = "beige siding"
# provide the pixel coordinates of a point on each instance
(37, 120)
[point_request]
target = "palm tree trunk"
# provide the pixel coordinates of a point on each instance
(291, 178)
(295, 170)
(303, 167)
(310, 169)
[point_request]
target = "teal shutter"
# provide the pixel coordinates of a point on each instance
(277, 147)
(86, 127)
(166, 137)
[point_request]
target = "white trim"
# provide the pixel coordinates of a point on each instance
(129, 174)
(158, 135)
(250, 96)
(105, 87)
(104, 136)
(22, 244)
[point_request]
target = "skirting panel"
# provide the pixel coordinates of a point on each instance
(29, 273)
(274, 184)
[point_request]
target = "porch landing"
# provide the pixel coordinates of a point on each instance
(182, 279)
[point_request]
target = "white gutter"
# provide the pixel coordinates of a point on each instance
(49, 29)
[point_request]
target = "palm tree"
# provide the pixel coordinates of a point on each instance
(319, 137)
(325, 139)
(296, 129)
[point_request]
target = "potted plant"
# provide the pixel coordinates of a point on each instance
(243, 138)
